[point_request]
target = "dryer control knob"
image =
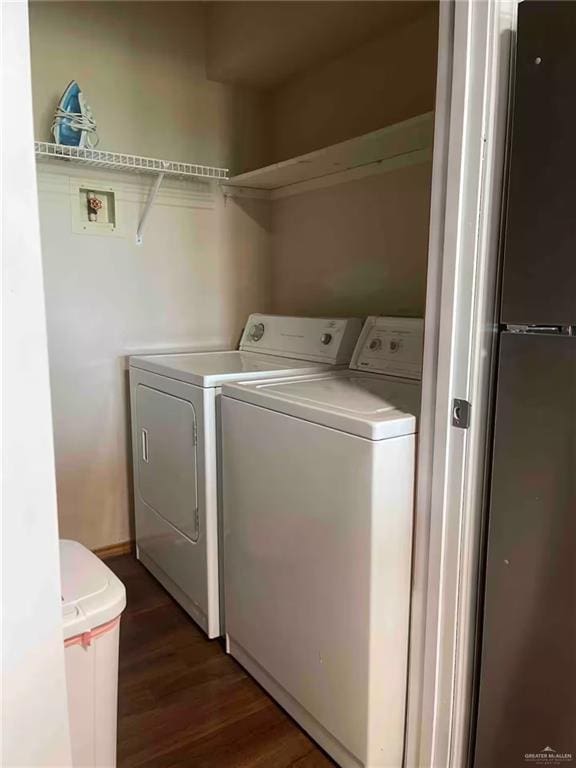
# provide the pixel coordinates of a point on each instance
(326, 338)
(256, 332)
(375, 344)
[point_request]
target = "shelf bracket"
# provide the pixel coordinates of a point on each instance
(146, 211)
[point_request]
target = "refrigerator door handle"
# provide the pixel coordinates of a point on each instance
(550, 329)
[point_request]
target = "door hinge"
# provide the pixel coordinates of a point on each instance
(461, 413)
(195, 435)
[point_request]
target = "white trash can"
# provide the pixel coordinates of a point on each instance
(93, 599)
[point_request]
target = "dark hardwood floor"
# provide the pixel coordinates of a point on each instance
(183, 702)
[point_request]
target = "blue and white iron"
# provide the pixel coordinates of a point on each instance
(73, 123)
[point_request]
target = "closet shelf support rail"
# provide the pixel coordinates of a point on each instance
(146, 211)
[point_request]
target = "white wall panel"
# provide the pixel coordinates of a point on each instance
(34, 705)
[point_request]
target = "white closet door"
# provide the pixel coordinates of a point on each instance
(167, 457)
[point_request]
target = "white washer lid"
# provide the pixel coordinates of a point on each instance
(91, 594)
(211, 369)
(371, 406)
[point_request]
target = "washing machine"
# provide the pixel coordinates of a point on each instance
(318, 484)
(175, 416)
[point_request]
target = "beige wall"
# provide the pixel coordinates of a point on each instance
(263, 44)
(379, 83)
(358, 248)
(142, 68)
(203, 265)
(106, 298)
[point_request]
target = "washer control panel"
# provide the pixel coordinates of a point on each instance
(391, 345)
(319, 339)
(256, 331)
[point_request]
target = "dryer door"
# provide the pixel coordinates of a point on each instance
(167, 457)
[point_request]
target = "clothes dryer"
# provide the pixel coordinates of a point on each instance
(175, 404)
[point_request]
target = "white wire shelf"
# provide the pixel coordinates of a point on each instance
(122, 162)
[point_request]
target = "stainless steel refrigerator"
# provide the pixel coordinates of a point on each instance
(527, 668)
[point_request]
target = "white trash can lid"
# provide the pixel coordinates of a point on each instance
(91, 594)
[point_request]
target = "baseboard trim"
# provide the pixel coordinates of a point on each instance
(113, 550)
